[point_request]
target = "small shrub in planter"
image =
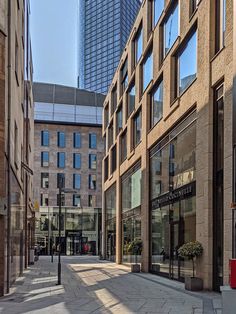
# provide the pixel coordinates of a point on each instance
(192, 250)
(135, 248)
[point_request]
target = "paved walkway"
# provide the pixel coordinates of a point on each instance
(93, 286)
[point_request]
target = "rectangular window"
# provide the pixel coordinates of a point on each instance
(113, 159)
(158, 7)
(92, 200)
(16, 59)
(16, 145)
(61, 139)
(187, 64)
(106, 116)
(76, 181)
(220, 19)
(92, 181)
(44, 138)
(92, 161)
(44, 159)
(192, 6)
(110, 135)
(92, 140)
(138, 45)
(61, 160)
(76, 161)
(77, 140)
(61, 180)
(147, 70)
(157, 104)
(76, 200)
(124, 76)
(44, 180)
(113, 100)
(137, 128)
(171, 29)
(105, 169)
(131, 99)
(44, 199)
(119, 120)
(123, 144)
(62, 199)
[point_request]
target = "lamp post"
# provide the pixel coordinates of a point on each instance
(64, 190)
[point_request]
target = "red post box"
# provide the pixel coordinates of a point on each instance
(232, 273)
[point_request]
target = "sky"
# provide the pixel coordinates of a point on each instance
(54, 41)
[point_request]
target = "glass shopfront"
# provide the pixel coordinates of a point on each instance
(110, 203)
(173, 201)
(131, 208)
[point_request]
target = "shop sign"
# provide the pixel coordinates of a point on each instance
(173, 196)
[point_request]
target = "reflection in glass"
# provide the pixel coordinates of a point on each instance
(157, 104)
(171, 29)
(158, 9)
(131, 191)
(188, 64)
(147, 70)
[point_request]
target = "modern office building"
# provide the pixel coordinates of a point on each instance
(104, 28)
(68, 145)
(16, 142)
(167, 123)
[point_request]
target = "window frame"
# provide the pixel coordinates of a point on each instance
(136, 142)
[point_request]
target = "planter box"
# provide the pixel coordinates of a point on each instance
(135, 268)
(193, 284)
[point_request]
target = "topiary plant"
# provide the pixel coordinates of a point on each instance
(191, 250)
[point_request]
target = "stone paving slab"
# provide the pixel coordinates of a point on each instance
(93, 286)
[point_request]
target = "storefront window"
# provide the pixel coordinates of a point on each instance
(110, 203)
(131, 191)
(131, 232)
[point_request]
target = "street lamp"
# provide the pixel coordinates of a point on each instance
(61, 189)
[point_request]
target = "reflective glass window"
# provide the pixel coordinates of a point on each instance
(171, 29)
(92, 140)
(158, 9)
(157, 104)
(77, 140)
(76, 181)
(147, 70)
(44, 159)
(44, 138)
(61, 159)
(61, 142)
(76, 161)
(131, 99)
(92, 161)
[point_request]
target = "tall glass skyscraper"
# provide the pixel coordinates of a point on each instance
(104, 27)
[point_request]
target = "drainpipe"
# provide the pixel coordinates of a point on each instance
(234, 135)
(9, 149)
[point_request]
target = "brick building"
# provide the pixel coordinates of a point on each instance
(16, 139)
(167, 175)
(68, 144)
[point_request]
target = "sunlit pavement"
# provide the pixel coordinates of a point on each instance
(93, 286)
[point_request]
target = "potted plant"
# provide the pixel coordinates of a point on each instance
(135, 248)
(192, 250)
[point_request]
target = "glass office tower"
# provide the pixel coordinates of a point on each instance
(104, 28)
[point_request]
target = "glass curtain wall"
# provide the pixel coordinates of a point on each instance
(131, 208)
(173, 202)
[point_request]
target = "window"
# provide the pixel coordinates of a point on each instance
(76, 181)
(44, 199)
(123, 142)
(113, 159)
(61, 139)
(220, 19)
(44, 159)
(138, 45)
(92, 140)
(61, 160)
(158, 7)
(77, 161)
(105, 169)
(77, 140)
(44, 138)
(16, 145)
(131, 99)
(137, 125)
(124, 76)
(60, 179)
(76, 200)
(106, 116)
(44, 180)
(113, 100)
(92, 200)
(192, 6)
(187, 64)
(119, 120)
(92, 161)
(147, 70)
(16, 59)
(110, 135)
(171, 29)
(157, 104)
(92, 181)
(62, 199)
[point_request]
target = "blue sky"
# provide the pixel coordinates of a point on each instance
(54, 41)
